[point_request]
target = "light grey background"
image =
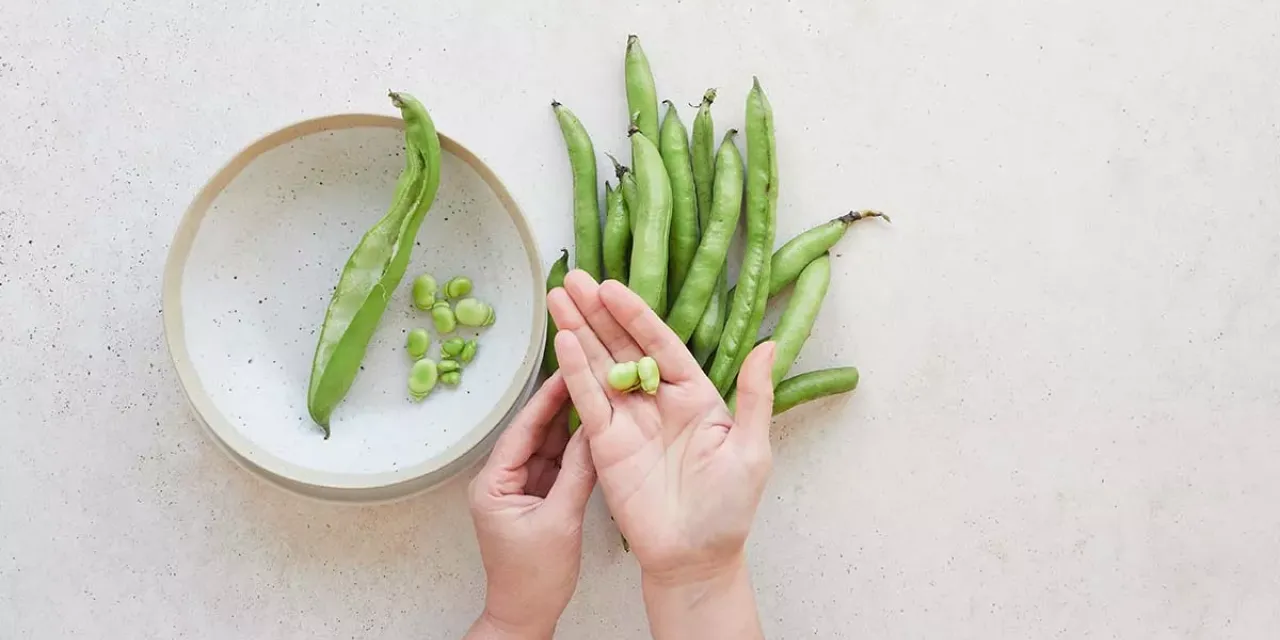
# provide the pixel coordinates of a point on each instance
(1069, 339)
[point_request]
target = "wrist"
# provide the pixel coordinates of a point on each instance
(689, 574)
(493, 627)
(709, 602)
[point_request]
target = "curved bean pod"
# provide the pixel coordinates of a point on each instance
(790, 259)
(747, 311)
(797, 320)
(617, 234)
(706, 336)
(586, 198)
(630, 192)
(642, 95)
(673, 144)
(375, 267)
(555, 278)
(702, 152)
(813, 385)
(708, 263)
(648, 276)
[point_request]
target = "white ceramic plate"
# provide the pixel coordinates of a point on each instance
(250, 275)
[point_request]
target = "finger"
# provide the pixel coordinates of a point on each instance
(529, 429)
(584, 387)
(586, 296)
(557, 435)
(577, 478)
(569, 318)
(755, 401)
(650, 332)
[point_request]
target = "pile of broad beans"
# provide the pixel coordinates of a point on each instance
(667, 228)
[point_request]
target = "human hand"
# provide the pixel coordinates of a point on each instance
(681, 475)
(528, 503)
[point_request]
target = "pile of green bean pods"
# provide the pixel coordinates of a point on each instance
(668, 226)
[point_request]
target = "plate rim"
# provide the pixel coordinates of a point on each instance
(343, 486)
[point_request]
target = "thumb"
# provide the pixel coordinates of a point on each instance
(576, 479)
(755, 398)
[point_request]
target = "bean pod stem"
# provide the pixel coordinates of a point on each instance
(586, 198)
(375, 267)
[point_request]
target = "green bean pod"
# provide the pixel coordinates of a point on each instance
(630, 193)
(586, 198)
(709, 261)
(673, 144)
(555, 278)
(813, 385)
(375, 267)
(642, 95)
(798, 252)
(703, 155)
(747, 310)
(797, 320)
(790, 259)
(648, 274)
(617, 234)
(706, 336)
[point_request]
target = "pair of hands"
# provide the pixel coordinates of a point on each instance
(681, 475)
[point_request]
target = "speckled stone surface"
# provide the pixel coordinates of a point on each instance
(1069, 339)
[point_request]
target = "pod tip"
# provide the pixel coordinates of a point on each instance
(555, 104)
